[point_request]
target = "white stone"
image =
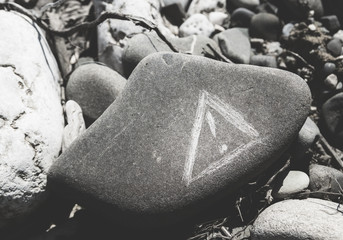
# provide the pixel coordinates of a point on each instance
(197, 24)
(217, 17)
(31, 112)
(331, 81)
(201, 6)
(339, 35)
(293, 182)
(299, 219)
(76, 124)
(112, 33)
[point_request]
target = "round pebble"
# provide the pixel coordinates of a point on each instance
(335, 47)
(293, 182)
(266, 26)
(241, 17)
(331, 81)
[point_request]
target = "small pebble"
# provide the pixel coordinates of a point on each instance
(235, 45)
(286, 30)
(306, 137)
(197, 24)
(329, 68)
(266, 26)
(217, 18)
(174, 13)
(293, 182)
(331, 23)
(335, 47)
(331, 81)
(241, 17)
(339, 35)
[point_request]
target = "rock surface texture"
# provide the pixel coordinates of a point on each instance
(299, 219)
(182, 133)
(31, 117)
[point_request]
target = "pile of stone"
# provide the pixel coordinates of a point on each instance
(186, 111)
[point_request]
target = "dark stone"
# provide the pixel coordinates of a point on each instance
(183, 3)
(174, 13)
(325, 179)
(331, 23)
(263, 60)
(335, 47)
(94, 87)
(266, 26)
(241, 17)
(186, 132)
(333, 118)
(235, 45)
(329, 68)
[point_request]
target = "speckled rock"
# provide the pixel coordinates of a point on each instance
(180, 136)
(76, 124)
(299, 219)
(235, 45)
(94, 87)
(197, 24)
(293, 182)
(31, 116)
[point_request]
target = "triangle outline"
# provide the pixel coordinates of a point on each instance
(230, 115)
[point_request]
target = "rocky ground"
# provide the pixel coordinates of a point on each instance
(288, 185)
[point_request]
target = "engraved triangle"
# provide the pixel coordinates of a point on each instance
(209, 109)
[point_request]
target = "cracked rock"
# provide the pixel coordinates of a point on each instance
(31, 119)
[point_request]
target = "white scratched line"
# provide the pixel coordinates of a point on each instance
(225, 160)
(211, 123)
(231, 115)
(199, 117)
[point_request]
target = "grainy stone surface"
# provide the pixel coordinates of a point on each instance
(31, 117)
(94, 87)
(182, 134)
(299, 219)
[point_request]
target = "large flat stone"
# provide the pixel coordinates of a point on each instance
(185, 132)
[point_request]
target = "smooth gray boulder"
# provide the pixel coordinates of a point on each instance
(94, 87)
(186, 131)
(31, 116)
(299, 219)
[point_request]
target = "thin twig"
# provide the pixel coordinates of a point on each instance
(139, 21)
(330, 150)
